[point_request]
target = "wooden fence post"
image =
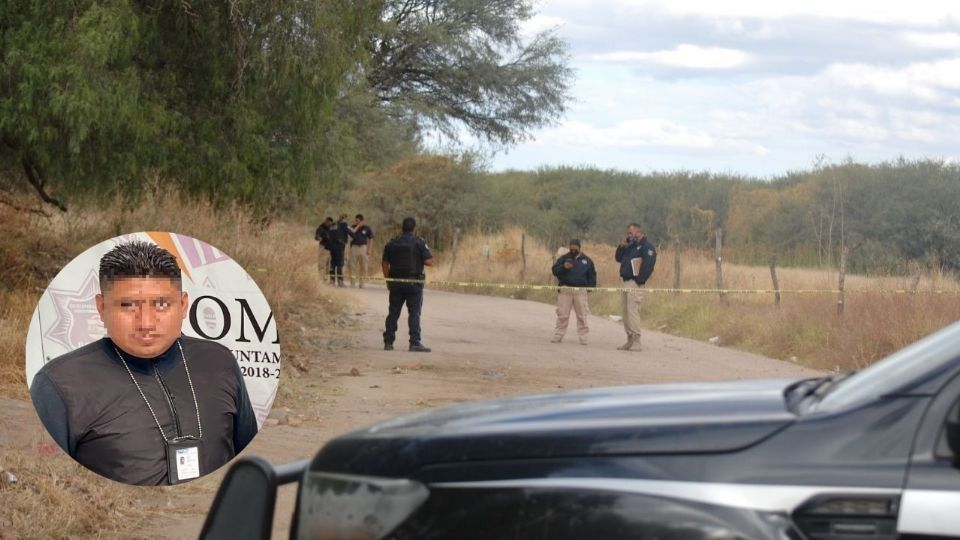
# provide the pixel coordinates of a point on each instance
(776, 282)
(676, 266)
(523, 256)
(453, 259)
(723, 298)
(918, 273)
(841, 284)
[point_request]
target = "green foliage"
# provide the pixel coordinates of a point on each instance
(892, 217)
(596, 205)
(228, 100)
(463, 63)
(441, 192)
(258, 102)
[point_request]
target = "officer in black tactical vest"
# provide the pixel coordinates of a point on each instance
(403, 259)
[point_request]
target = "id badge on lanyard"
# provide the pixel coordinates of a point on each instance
(183, 460)
(183, 453)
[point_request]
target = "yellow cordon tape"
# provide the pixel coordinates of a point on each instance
(518, 286)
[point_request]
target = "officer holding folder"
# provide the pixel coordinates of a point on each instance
(637, 258)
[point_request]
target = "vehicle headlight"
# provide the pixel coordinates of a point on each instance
(341, 506)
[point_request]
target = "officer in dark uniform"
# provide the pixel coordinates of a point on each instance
(573, 269)
(338, 236)
(325, 260)
(404, 258)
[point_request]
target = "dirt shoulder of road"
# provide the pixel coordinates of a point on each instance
(483, 348)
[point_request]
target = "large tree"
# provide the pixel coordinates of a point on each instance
(232, 99)
(454, 64)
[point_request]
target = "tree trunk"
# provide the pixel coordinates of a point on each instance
(719, 234)
(776, 282)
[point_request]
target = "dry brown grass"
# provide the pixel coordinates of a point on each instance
(805, 326)
(54, 497)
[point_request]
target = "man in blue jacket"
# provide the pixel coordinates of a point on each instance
(637, 257)
(574, 269)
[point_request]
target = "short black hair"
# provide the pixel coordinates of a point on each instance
(409, 224)
(330, 219)
(138, 259)
(574, 242)
(359, 216)
(636, 225)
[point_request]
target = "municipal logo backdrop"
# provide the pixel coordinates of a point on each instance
(226, 306)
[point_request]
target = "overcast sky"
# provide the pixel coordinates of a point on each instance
(757, 88)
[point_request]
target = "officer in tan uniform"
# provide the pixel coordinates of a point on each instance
(637, 257)
(573, 269)
(360, 236)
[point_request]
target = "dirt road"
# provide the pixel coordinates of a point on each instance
(483, 348)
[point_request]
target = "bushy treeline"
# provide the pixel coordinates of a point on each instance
(892, 217)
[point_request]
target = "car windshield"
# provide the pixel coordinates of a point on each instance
(891, 373)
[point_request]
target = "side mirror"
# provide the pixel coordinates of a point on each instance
(243, 507)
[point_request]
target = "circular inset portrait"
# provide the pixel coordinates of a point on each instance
(153, 358)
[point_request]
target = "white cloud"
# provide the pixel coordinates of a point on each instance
(643, 132)
(859, 130)
(912, 133)
(684, 55)
(888, 11)
(841, 77)
(921, 80)
(932, 40)
(735, 27)
(538, 23)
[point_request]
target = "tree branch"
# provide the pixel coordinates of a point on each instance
(36, 180)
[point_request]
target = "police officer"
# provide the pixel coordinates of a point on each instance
(404, 258)
(339, 233)
(324, 260)
(573, 269)
(360, 236)
(637, 257)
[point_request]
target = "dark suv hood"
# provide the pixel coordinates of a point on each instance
(628, 420)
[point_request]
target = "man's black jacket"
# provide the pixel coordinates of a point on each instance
(93, 410)
(583, 273)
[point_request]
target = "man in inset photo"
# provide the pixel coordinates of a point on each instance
(145, 405)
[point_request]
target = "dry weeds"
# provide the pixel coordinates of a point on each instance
(54, 497)
(805, 328)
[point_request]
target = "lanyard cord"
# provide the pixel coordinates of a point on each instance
(142, 395)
